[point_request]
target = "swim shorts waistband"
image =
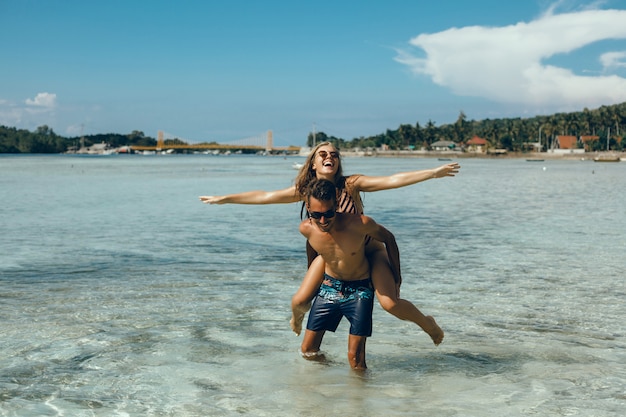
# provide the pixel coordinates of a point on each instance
(338, 283)
(336, 290)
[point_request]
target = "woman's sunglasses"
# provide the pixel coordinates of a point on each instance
(324, 154)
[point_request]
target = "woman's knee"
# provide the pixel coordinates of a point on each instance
(385, 286)
(300, 299)
(387, 303)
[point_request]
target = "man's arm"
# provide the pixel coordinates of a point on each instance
(380, 233)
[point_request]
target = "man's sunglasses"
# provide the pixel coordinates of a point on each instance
(318, 214)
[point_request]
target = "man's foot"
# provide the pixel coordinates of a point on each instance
(317, 356)
(434, 331)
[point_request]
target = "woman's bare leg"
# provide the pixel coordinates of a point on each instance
(301, 300)
(388, 296)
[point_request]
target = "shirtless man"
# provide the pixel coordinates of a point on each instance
(347, 289)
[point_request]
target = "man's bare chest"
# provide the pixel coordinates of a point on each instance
(339, 245)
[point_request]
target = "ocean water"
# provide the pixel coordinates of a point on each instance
(122, 295)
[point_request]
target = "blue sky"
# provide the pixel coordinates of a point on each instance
(228, 70)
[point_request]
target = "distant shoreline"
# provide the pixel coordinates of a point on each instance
(442, 156)
(587, 156)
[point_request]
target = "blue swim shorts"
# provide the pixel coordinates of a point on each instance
(336, 299)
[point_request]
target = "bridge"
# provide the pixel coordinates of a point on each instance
(261, 143)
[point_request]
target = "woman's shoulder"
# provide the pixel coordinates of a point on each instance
(349, 200)
(351, 181)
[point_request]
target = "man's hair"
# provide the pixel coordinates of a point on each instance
(322, 190)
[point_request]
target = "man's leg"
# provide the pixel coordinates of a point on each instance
(324, 315)
(359, 312)
(311, 343)
(356, 352)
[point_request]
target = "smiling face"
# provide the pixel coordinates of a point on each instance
(322, 213)
(326, 162)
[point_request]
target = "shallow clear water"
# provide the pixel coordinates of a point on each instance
(122, 294)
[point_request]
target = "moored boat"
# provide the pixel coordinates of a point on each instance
(607, 157)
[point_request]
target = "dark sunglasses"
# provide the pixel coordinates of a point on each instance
(318, 214)
(324, 154)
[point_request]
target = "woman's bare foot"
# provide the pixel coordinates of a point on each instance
(434, 331)
(296, 324)
(298, 312)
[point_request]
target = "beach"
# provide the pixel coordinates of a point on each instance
(124, 295)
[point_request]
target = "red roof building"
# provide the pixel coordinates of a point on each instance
(586, 140)
(566, 142)
(476, 144)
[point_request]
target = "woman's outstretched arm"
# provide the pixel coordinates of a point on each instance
(287, 195)
(402, 179)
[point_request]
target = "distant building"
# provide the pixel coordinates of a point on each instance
(476, 145)
(586, 140)
(95, 149)
(566, 142)
(443, 145)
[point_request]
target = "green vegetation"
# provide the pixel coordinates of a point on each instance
(44, 140)
(514, 135)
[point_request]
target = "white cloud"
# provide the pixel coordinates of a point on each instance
(507, 64)
(612, 60)
(46, 100)
(29, 113)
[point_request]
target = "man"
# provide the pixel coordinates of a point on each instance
(347, 289)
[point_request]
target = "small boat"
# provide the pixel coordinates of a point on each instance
(297, 165)
(607, 157)
(445, 159)
(534, 160)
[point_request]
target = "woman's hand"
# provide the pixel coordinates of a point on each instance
(447, 170)
(211, 199)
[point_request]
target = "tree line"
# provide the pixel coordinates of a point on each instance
(608, 123)
(45, 140)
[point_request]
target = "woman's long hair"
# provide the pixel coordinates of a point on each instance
(307, 173)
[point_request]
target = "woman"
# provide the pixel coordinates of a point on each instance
(324, 162)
